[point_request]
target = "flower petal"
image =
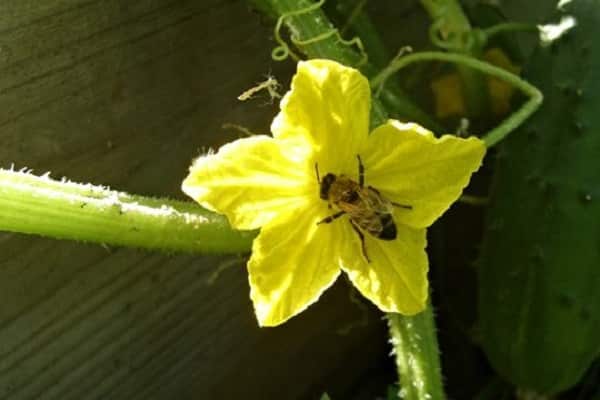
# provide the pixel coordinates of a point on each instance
(410, 166)
(294, 260)
(252, 180)
(395, 279)
(329, 105)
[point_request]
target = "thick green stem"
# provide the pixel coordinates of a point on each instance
(509, 124)
(67, 210)
(417, 356)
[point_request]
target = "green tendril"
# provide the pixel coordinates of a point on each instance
(508, 125)
(508, 27)
(355, 41)
(474, 37)
(467, 39)
(314, 39)
(283, 51)
(435, 37)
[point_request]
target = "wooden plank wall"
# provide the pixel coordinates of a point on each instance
(126, 93)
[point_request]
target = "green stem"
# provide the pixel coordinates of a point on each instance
(417, 356)
(508, 27)
(66, 210)
(509, 124)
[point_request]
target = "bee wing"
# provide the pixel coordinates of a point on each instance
(375, 201)
(351, 209)
(372, 224)
(363, 216)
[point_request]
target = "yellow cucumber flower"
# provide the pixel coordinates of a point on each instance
(377, 234)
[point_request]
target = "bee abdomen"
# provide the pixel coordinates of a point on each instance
(389, 231)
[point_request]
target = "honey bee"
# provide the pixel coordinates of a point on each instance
(366, 208)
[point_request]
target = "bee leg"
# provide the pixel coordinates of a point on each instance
(361, 172)
(406, 206)
(317, 171)
(362, 240)
(331, 218)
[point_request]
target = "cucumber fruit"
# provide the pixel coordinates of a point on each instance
(539, 269)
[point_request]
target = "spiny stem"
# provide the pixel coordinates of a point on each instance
(508, 125)
(417, 357)
(65, 210)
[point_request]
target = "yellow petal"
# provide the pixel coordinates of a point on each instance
(294, 260)
(328, 104)
(252, 180)
(410, 166)
(395, 279)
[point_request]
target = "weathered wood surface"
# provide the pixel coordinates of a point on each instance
(126, 93)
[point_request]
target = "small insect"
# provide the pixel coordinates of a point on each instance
(366, 208)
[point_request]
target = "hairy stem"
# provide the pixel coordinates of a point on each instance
(509, 124)
(66, 210)
(417, 356)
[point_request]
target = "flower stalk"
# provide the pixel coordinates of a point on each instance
(417, 356)
(42, 206)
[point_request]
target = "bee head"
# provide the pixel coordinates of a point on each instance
(326, 185)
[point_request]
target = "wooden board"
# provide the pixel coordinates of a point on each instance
(126, 93)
